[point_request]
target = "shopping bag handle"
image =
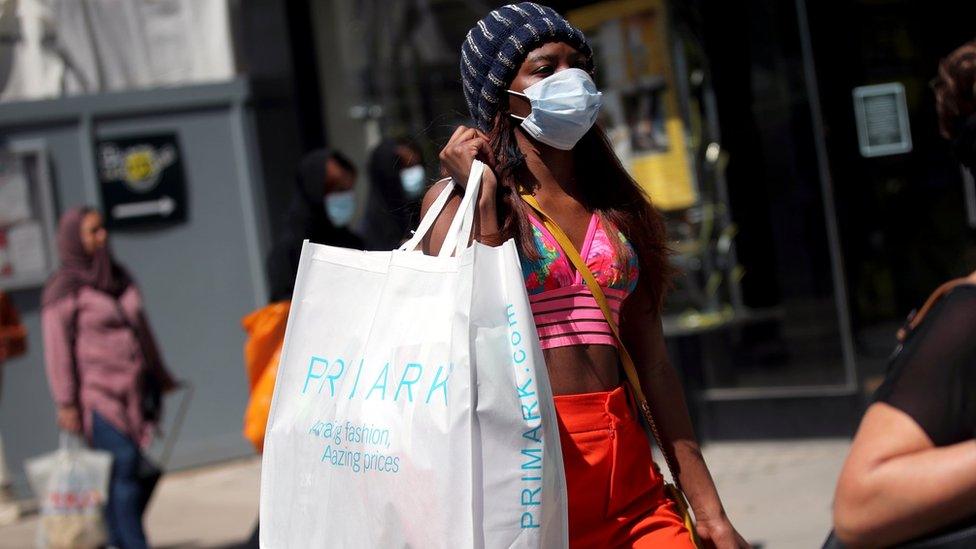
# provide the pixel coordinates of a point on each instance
(68, 442)
(428, 221)
(459, 233)
(174, 431)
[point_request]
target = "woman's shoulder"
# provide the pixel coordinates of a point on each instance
(67, 302)
(951, 299)
(932, 377)
(95, 300)
(959, 300)
(947, 324)
(435, 191)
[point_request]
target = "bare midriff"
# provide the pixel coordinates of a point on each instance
(582, 369)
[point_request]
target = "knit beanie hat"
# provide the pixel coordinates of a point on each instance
(496, 47)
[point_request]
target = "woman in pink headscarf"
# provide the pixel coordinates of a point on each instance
(104, 370)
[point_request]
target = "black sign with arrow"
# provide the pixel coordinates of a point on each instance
(141, 180)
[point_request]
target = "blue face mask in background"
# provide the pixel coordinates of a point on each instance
(340, 207)
(412, 179)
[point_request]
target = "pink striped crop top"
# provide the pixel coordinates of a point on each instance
(565, 311)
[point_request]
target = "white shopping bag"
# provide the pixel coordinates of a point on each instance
(72, 486)
(412, 405)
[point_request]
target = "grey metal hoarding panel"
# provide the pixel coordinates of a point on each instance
(199, 277)
(128, 103)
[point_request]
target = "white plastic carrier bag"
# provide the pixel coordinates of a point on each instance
(72, 486)
(412, 405)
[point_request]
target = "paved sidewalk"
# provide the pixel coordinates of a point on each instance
(214, 507)
(777, 493)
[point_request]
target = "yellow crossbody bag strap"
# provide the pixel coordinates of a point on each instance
(569, 249)
(574, 257)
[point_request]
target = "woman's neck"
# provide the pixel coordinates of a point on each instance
(551, 168)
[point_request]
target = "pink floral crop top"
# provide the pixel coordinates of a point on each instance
(565, 311)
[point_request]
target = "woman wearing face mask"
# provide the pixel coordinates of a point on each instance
(526, 76)
(322, 206)
(398, 179)
(102, 362)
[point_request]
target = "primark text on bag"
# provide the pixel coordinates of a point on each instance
(412, 405)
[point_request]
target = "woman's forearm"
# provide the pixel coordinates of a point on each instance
(895, 499)
(487, 222)
(643, 336)
(667, 402)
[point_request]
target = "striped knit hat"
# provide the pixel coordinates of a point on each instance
(495, 48)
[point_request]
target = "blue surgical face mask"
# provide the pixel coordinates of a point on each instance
(412, 179)
(564, 107)
(340, 207)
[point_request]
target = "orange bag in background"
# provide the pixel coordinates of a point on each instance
(265, 329)
(13, 334)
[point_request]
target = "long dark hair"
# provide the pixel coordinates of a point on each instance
(605, 187)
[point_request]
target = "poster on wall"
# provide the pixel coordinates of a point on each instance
(14, 197)
(26, 216)
(640, 112)
(141, 180)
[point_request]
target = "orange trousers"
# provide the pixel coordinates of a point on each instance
(616, 494)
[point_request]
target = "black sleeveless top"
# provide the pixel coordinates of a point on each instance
(933, 377)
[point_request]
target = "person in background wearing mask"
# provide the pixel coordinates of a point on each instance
(104, 369)
(526, 75)
(398, 180)
(322, 206)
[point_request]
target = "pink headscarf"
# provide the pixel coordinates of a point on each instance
(78, 268)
